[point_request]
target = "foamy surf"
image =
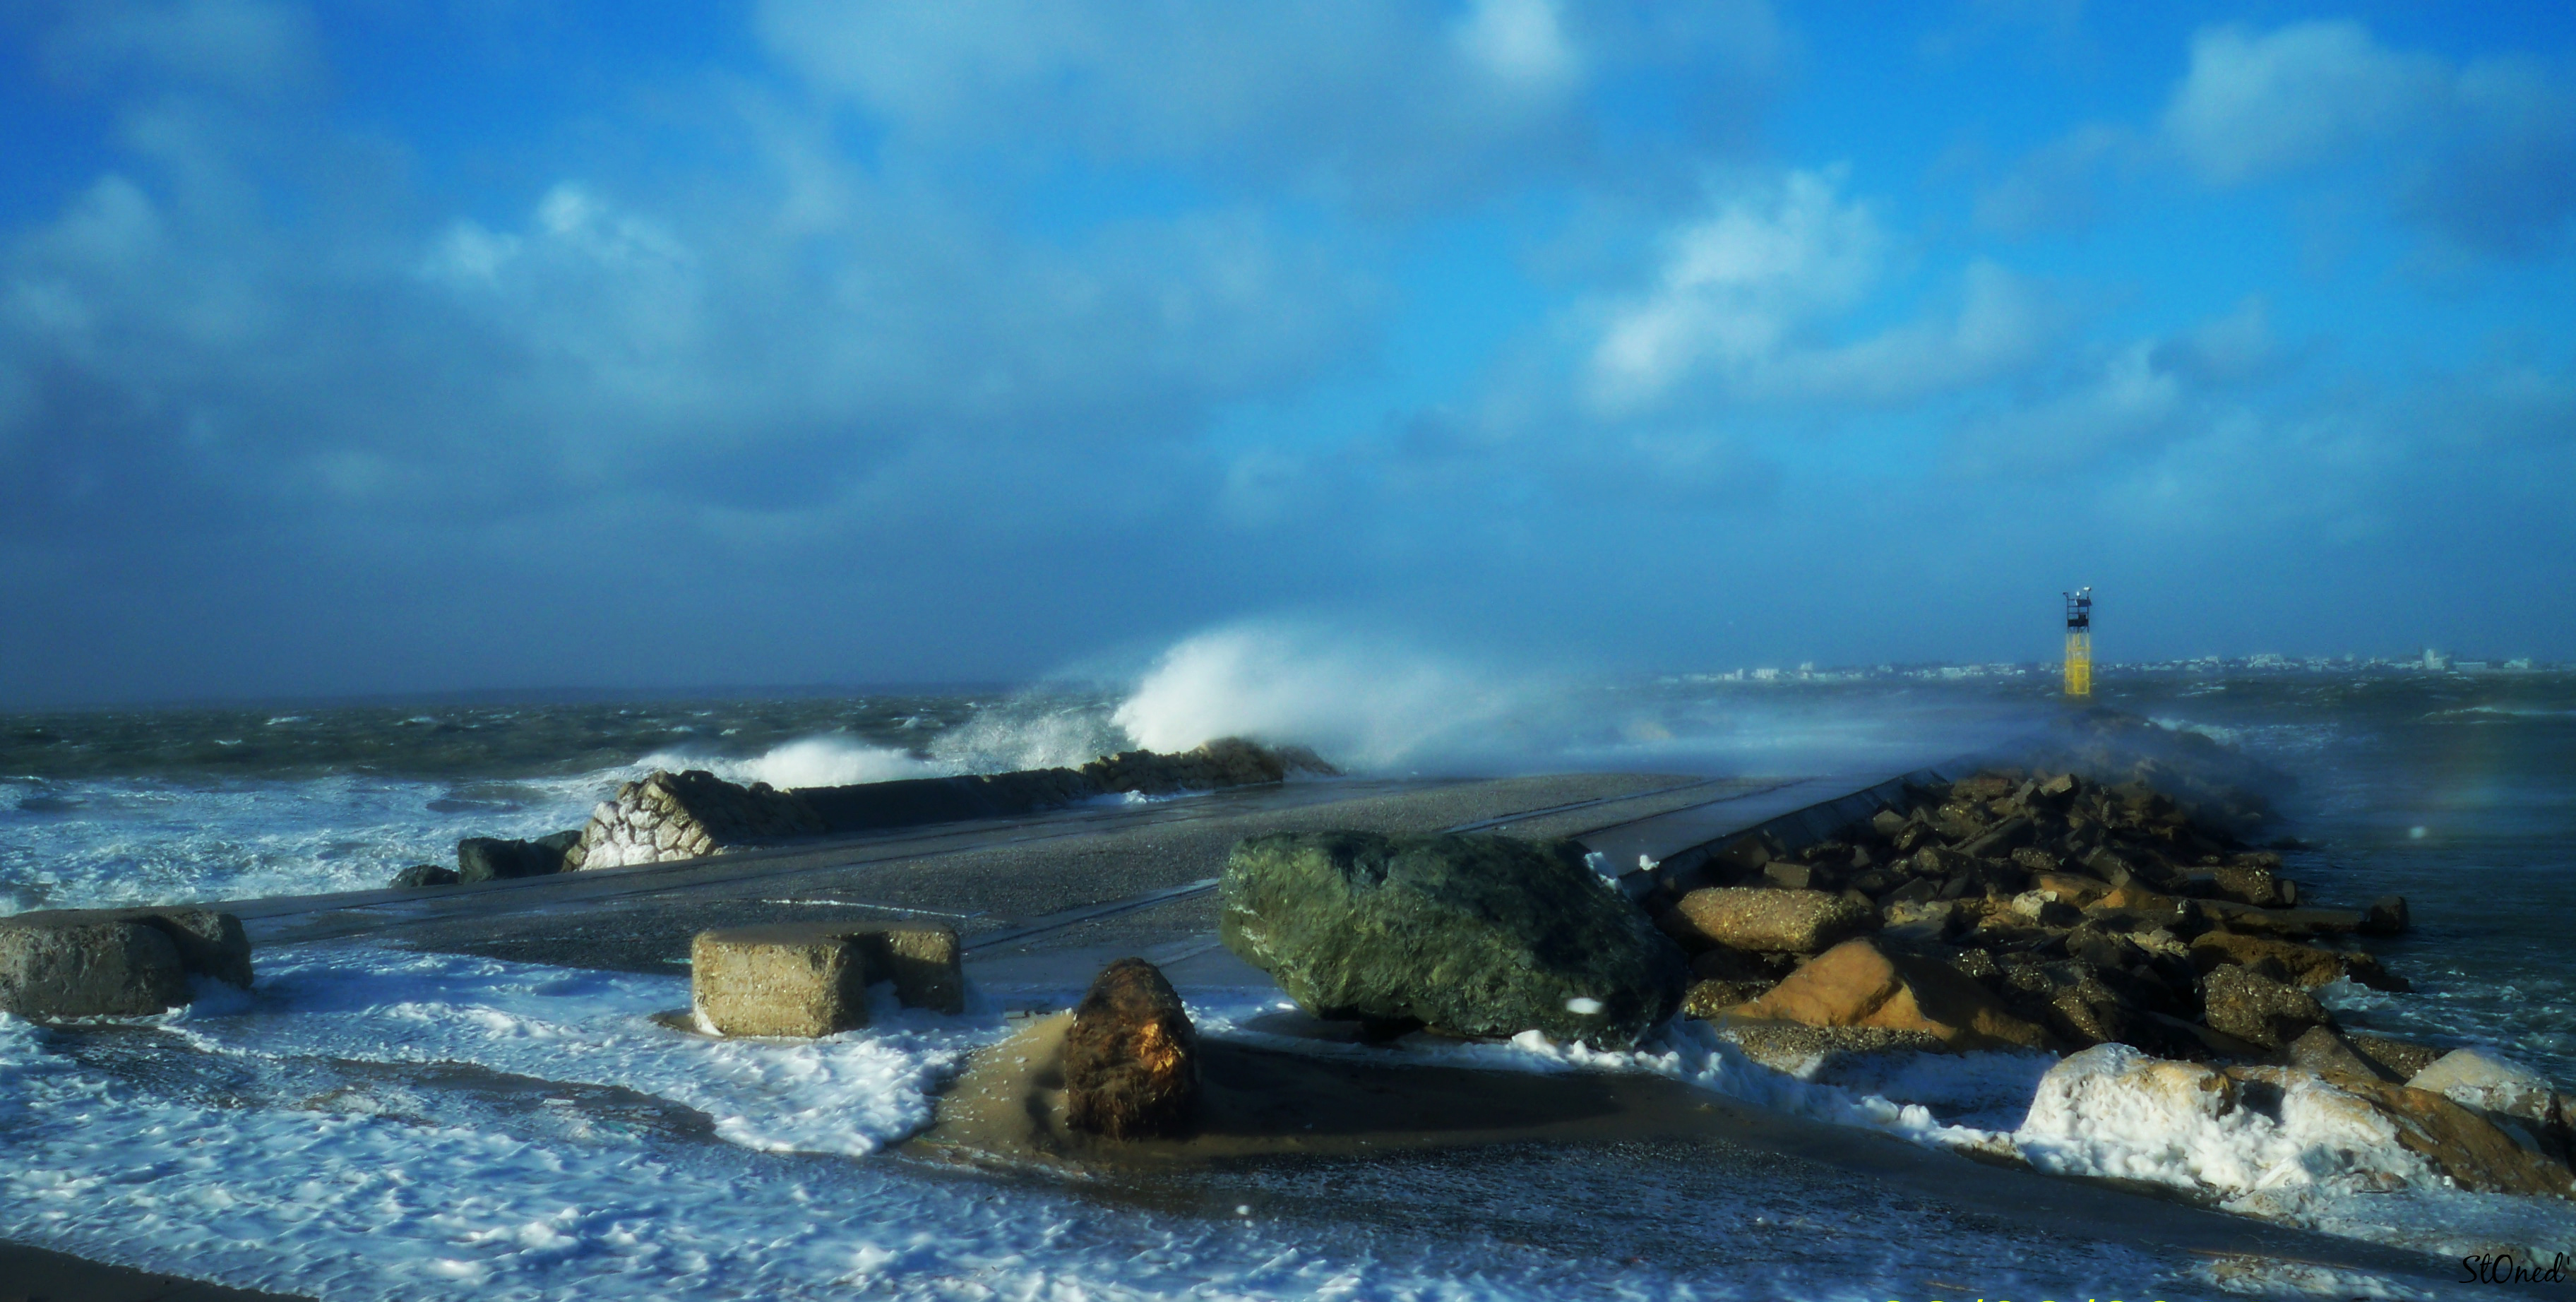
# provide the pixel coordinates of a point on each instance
(369, 1124)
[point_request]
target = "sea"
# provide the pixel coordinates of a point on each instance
(389, 1124)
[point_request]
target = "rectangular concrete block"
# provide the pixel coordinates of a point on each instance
(925, 963)
(89, 968)
(788, 980)
(811, 978)
(210, 943)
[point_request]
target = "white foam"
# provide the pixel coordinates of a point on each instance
(2314, 1165)
(313, 1173)
(844, 1094)
(132, 840)
(824, 761)
(1361, 700)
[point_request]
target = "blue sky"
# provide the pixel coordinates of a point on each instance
(377, 347)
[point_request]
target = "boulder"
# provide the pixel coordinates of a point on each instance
(2296, 924)
(2250, 1006)
(2386, 916)
(2398, 1059)
(425, 874)
(2328, 1054)
(2457, 1142)
(1810, 1052)
(809, 979)
(1131, 1061)
(89, 968)
(1861, 983)
(1722, 963)
(2305, 966)
(211, 943)
(2254, 886)
(2173, 913)
(1775, 921)
(207, 943)
(1470, 935)
(2112, 1110)
(492, 858)
(2490, 1084)
(1708, 999)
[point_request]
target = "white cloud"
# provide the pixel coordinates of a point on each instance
(1520, 41)
(1735, 285)
(2253, 106)
(1746, 298)
(2483, 152)
(2126, 402)
(2146, 395)
(1386, 106)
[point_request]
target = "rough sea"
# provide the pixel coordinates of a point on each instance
(378, 1124)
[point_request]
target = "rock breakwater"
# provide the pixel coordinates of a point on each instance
(666, 816)
(2095, 913)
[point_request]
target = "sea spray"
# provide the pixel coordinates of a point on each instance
(1361, 700)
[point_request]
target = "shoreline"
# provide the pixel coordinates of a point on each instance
(38, 1274)
(623, 924)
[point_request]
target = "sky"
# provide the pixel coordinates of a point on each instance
(374, 347)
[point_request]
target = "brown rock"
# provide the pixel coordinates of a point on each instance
(2254, 886)
(2328, 1054)
(1858, 983)
(1776, 921)
(2035, 860)
(2293, 923)
(1791, 875)
(2471, 1151)
(2071, 888)
(2399, 1059)
(2253, 1007)
(1706, 1000)
(1131, 1068)
(2305, 966)
(1727, 963)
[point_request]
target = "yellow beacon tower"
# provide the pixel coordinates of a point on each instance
(2079, 643)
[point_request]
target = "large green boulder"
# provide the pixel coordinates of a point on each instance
(1468, 935)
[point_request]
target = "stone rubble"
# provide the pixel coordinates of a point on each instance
(671, 816)
(2094, 913)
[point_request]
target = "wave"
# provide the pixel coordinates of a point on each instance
(824, 761)
(1361, 701)
(2483, 713)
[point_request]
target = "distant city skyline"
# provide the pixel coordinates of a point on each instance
(377, 350)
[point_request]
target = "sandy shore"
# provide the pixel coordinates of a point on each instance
(40, 1275)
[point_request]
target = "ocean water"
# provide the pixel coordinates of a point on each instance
(375, 1124)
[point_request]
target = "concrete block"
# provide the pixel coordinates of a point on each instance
(811, 978)
(92, 968)
(787, 980)
(925, 963)
(208, 942)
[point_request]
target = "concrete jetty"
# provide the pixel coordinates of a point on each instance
(1041, 901)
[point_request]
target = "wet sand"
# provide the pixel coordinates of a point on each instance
(40, 1275)
(1628, 1157)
